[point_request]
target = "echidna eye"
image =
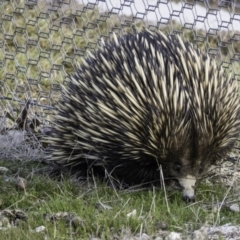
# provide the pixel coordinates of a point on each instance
(177, 167)
(200, 171)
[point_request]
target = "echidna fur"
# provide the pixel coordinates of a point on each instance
(143, 101)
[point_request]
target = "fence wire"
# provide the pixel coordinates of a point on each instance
(41, 41)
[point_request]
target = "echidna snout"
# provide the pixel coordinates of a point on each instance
(188, 185)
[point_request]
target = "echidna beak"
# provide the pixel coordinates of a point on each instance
(188, 199)
(188, 185)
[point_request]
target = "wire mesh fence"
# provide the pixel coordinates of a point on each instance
(41, 41)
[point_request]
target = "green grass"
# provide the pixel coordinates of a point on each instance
(44, 195)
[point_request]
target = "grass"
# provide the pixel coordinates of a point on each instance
(44, 196)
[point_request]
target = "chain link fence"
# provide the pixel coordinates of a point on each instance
(41, 41)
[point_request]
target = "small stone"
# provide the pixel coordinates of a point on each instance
(198, 235)
(160, 226)
(174, 236)
(21, 183)
(234, 207)
(102, 206)
(158, 238)
(40, 229)
(132, 214)
(76, 222)
(144, 236)
(3, 169)
(162, 234)
(5, 222)
(116, 237)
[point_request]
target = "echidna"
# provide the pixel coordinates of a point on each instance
(143, 101)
